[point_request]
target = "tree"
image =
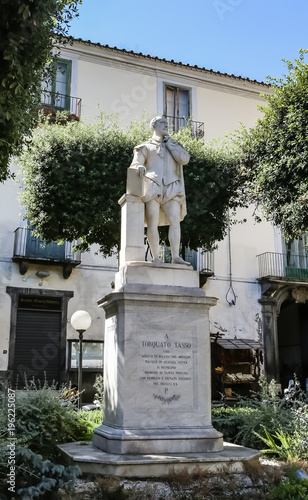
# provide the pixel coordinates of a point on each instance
(74, 174)
(30, 30)
(275, 152)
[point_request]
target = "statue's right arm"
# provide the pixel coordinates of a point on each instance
(139, 160)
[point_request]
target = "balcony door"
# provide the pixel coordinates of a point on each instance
(56, 92)
(177, 106)
(296, 252)
(292, 326)
(62, 84)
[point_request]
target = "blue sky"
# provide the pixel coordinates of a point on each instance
(247, 38)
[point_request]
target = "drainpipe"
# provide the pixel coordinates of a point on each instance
(230, 295)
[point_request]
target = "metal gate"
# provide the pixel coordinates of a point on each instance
(38, 339)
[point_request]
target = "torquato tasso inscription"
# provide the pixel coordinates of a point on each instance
(166, 368)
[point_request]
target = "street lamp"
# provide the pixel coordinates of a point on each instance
(80, 321)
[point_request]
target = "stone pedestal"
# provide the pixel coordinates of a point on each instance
(157, 364)
(132, 229)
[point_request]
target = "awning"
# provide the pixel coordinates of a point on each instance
(239, 344)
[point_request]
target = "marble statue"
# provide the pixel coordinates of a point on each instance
(159, 163)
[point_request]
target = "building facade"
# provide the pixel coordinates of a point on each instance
(261, 314)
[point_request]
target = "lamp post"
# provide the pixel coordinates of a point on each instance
(80, 321)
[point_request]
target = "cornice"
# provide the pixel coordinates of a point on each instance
(186, 74)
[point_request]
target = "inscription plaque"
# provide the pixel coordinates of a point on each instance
(166, 370)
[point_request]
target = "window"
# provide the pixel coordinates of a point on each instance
(296, 257)
(297, 251)
(177, 106)
(56, 93)
(92, 355)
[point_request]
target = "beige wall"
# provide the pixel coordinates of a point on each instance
(115, 90)
(10, 218)
(222, 111)
(248, 239)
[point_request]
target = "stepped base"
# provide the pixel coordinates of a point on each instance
(91, 460)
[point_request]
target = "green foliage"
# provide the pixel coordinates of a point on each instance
(29, 29)
(91, 419)
(300, 434)
(44, 419)
(270, 412)
(73, 178)
(264, 418)
(94, 418)
(289, 438)
(284, 450)
(251, 415)
(75, 174)
(290, 489)
(35, 477)
(229, 420)
(275, 152)
(99, 386)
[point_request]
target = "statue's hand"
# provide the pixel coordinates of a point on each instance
(141, 170)
(169, 141)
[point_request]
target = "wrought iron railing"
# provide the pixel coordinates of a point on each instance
(176, 123)
(205, 261)
(61, 102)
(27, 246)
(283, 265)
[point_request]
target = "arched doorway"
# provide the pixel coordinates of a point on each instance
(292, 330)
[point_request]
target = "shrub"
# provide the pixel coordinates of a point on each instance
(292, 445)
(43, 418)
(300, 435)
(292, 488)
(243, 423)
(91, 420)
(35, 476)
(230, 420)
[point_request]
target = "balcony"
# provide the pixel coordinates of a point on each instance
(29, 249)
(175, 124)
(285, 266)
(51, 102)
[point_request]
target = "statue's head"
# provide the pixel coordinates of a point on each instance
(159, 125)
